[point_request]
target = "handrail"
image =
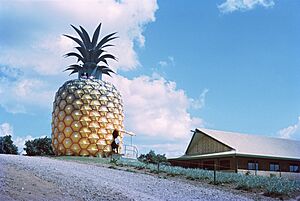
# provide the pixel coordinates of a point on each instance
(130, 151)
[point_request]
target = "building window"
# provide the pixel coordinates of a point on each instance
(274, 167)
(294, 168)
(252, 165)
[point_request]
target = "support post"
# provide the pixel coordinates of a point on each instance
(279, 171)
(215, 176)
(236, 164)
(256, 167)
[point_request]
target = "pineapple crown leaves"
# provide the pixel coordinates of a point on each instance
(91, 52)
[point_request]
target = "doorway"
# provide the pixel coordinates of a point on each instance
(115, 143)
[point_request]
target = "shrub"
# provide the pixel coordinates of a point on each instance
(7, 145)
(39, 147)
(153, 158)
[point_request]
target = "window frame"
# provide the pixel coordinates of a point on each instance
(254, 164)
(295, 168)
(274, 165)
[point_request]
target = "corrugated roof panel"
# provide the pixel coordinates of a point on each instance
(256, 145)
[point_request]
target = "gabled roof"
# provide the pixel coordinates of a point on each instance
(245, 144)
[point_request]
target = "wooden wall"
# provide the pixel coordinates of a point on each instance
(225, 164)
(233, 163)
(205, 145)
(264, 163)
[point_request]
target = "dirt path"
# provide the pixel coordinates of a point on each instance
(29, 178)
(38, 178)
(19, 184)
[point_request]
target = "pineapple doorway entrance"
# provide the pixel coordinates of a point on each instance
(116, 142)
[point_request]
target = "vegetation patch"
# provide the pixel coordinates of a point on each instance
(39, 147)
(7, 146)
(112, 167)
(130, 170)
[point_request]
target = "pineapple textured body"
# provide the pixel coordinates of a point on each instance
(86, 112)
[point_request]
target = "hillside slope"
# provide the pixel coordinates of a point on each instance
(41, 178)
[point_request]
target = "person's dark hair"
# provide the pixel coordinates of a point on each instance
(115, 134)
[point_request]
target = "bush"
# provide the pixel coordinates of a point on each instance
(39, 147)
(7, 146)
(151, 157)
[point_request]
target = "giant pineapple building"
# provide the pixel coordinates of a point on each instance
(88, 112)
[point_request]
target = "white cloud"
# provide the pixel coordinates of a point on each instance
(200, 102)
(291, 132)
(168, 62)
(44, 56)
(155, 107)
(6, 129)
(9, 74)
(20, 143)
(25, 93)
(234, 5)
(163, 63)
(14, 108)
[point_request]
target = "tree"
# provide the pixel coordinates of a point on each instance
(39, 147)
(7, 145)
(151, 157)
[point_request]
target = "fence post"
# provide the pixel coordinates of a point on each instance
(215, 168)
(256, 167)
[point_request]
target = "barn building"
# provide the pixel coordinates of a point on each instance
(228, 151)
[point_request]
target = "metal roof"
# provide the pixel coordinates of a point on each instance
(210, 155)
(245, 144)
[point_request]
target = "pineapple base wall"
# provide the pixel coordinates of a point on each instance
(85, 114)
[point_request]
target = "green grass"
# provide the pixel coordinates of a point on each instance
(269, 185)
(93, 160)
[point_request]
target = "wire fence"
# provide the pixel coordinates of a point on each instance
(224, 166)
(234, 166)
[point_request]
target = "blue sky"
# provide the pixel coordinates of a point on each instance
(228, 65)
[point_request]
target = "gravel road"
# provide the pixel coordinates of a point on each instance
(40, 178)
